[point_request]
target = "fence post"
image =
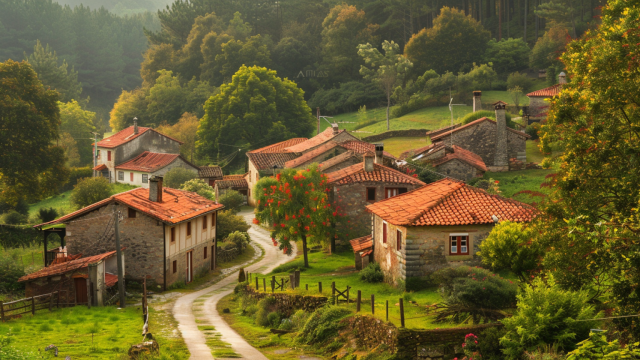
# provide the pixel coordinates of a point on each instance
(333, 289)
(306, 287)
(357, 301)
(88, 293)
(58, 299)
(2, 311)
(401, 313)
(257, 285)
(297, 276)
(320, 287)
(348, 287)
(144, 300)
(50, 301)
(273, 284)
(292, 281)
(264, 284)
(387, 307)
(33, 305)
(373, 304)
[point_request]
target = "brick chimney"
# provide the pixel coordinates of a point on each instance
(368, 162)
(135, 125)
(477, 102)
(379, 153)
(501, 157)
(155, 189)
(335, 129)
(562, 78)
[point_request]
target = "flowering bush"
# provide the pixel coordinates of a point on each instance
(470, 348)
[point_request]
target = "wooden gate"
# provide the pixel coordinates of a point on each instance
(81, 290)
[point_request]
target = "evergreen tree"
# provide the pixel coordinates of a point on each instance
(58, 77)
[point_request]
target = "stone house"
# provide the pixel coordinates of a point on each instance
(492, 140)
(538, 100)
(452, 161)
(70, 278)
(210, 174)
(362, 251)
(341, 161)
(169, 234)
(140, 169)
(355, 187)
(128, 144)
(437, 226)
(232, 182)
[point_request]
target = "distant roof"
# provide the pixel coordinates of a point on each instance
(100, 167)
(126, 135)
(362, 147)
(210, 172)
(306, 157)
(449, 202)
(319, 139)
(234, 176)
(338, 159)
(238, 183)
(279, 147)
(66, 267)
(473, 123)
(461, 154)
(551, 91)
(425, 149)
(176, 206)
(361, 243)
(356, 174)
(150, 162)
(265, 161)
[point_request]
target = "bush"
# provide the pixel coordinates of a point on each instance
(532, 130)
(199, 187)
(232, 200)
(239, 239)
(273, 319)
(46, 215)
(176, 177)
(76, 174)
(323, 324)
(21, 206)
(226, 245)
(522, 80)
(13, 217)
(545, 315)
(418, 283)
(10, 271)
(597, 347)
(241, 276)
(299, 319)
(228, 223)
(489, 343)
(265, 307)
(89, 191)
(486, 113)
(372, 273)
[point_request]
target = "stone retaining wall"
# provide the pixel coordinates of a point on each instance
(371, 332)
(395, 133)
(441, 130)
(287, 304)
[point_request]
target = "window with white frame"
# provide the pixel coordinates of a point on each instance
(145, 178)
(120, 175)
(459, 244)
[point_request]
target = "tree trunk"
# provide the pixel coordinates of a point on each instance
(304, 250)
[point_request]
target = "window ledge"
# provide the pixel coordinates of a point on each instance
(459, 257)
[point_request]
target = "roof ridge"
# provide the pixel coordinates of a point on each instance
(429, 206)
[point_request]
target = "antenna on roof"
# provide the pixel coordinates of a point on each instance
(451, 111)
(327, 117)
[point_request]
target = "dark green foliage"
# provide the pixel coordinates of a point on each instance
(266, 307)
(532, 130)
(10, 271)
(228, 222)
(89, 191)
(489, 343)
(75, 175)
(372, 273)
(349, 96)
(273, 319)
(46, 215)
(58, 77)
(21, 206)
(240, 240)
(323, 325)
(15, 236)
(487, 113)
(241, 276)
(13, 217)
(507, 55)
(175, 177)
(518, 79)
(232, 200)
(418, 283)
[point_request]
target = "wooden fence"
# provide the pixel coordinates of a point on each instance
(16, 308)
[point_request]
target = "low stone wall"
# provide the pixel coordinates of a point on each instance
(223, 256)
(288, 303)
(395, 133)
(371, 332)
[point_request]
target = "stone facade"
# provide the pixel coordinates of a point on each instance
(538, 107)
(138, 178)
(253, 175)
(331, 153)
(288, 304)
(459, 170)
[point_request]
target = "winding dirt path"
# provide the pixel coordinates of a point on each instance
(183, 308)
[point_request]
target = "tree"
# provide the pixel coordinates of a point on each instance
(184, 130)
(44, 62)
(247, 109)
(166, 99)
(70, 147)
(521, 80)
(480, 75)
(90, 191)
(199, 187)
(454, 40)
(175, 177)
(228, 222)
(236, 53)
(29, 116)
(516, 94)
(232, 200)
(507, 55)
(130, 104)
(547, 50)
(79, 123)
(156, 58)
(386, 70)
(296, 205)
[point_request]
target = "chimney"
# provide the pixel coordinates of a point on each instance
(368, 162)
(135, 125)
(335, 129)
(501, 157)
(155, 189)
(379, 152)
(562, 78)
(477, 103)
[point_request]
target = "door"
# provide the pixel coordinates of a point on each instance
(189, 266)
(81, 290)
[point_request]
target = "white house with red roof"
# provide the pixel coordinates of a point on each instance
(436, 226)
(143, 167)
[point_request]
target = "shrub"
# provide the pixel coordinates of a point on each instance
(226, 245)
(232, 200)
(265, 307)
(89, 191)
(239, 239)
(489, 343)
(273, 319)
(532, 130)
(21, 206)
(323, 324)
(199, 187)
(517, 79)
(76, 174)
(299, 319)
(13, 217)
(176, 177)
(46, 215)
(228, 223)
(286, 324)
(10, 271)
(475, 287)
(547, 314)
(418, 283)
(372, 273)
(486, 113)
(241, 276)
(597, 347)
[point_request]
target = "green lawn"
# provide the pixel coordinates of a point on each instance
(96, 333)
(397, 145)
(514, 181)
(533, 152)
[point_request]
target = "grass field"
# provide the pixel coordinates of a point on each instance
(533, 152)
(514, 181)
(397, 145)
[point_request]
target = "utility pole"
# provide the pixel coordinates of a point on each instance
(119, 259)
(95, 151)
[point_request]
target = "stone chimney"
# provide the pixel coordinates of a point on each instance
(477, 103)
(155, 189)
(368, 162)
(562, 78)
(501, 157)
(135, 125)
(335, 129)
(379, 154)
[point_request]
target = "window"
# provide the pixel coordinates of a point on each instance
(402, 190)
(384, 233)
(121, 175)
(371, 194)
(132, 213)
(189, 228)
(204, 224)
(108, 155)
(173, 234)
(213, 219)
(175, 266)
(131, 177)
(398, 240)
(459, 244)
(391, 192)
(145, 178)
(205, 252)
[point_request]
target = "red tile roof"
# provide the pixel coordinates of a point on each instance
(461, 154)
(110, 279)
(100, 167)
(265, 161)
(473, 123)
(66, 267)
(150, 162)
(306, 157)
(429, 148)
(279, 147)
(319, 139)
(449, 202)
(551, 91)
(356, 174)
(176, 206)
(232, 184)
(338, 159)
(234, 177)
(362, 147)
(126, 135)
(361, 243)
(210, 172)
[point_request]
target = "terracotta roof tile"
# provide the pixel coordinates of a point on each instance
(110, 279)
(356, 174)
(551, 91)
(232, 184)
(345, 156)
(176, 206)
(419, 151)
(210, 172)
(234, 177)
(306, 157)
(148, 162)
(449, 202)
(66, 267)
(265, 161)
(279, 147)
(362, 147)
(461, 154)
(125, 135)
(473, 123)
(100, 167)
(361, 243)
(319, 139)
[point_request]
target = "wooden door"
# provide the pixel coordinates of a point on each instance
(190, 266)
(81, 290)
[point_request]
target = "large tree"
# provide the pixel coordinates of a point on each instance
(30, 166)
(57, 76)
(256, 106)
(184, 130)
(78, 123)
(454, 41)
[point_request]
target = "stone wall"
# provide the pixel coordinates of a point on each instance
(441, 130)
(371, 332)
(538, 106)
(395, 133)
(458, 170)
(288, 304)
